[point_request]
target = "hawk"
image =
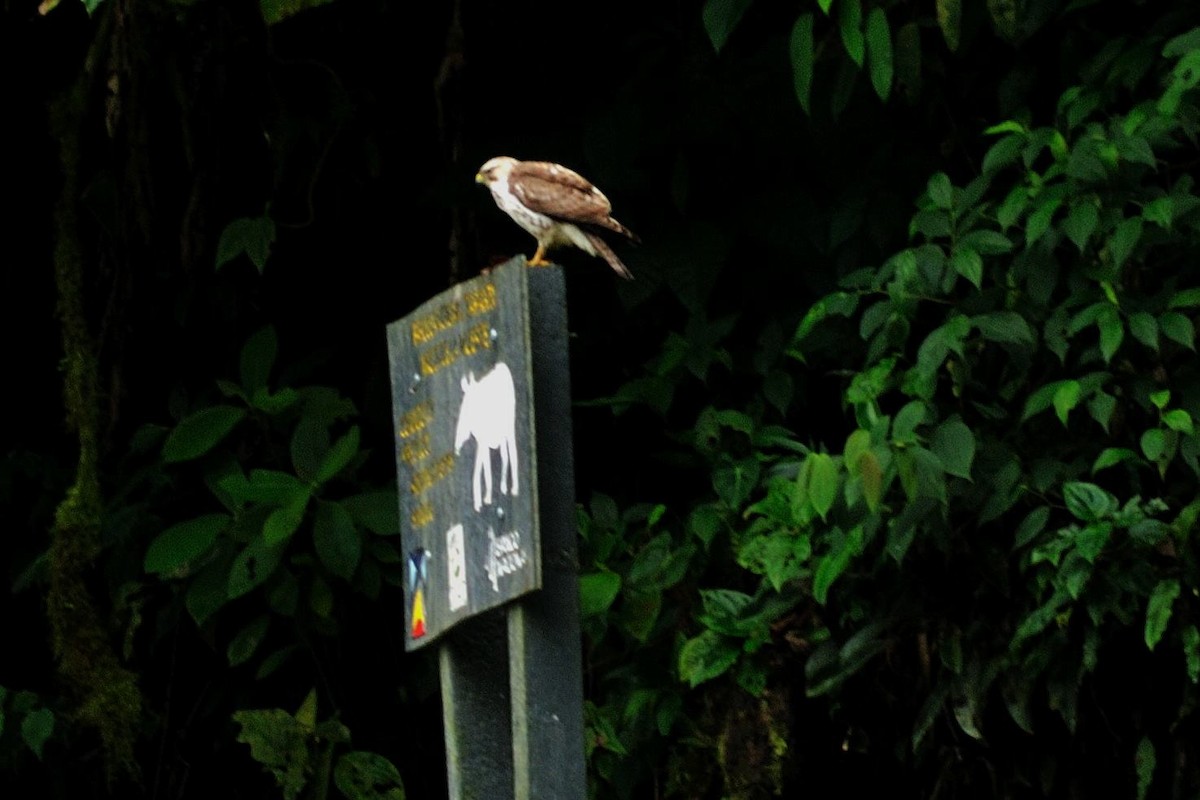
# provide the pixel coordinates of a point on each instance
(557, 205)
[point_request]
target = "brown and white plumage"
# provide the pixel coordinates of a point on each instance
(558, 206)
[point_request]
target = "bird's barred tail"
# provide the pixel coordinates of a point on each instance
(605, 252)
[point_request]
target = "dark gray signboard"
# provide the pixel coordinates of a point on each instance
(465, 457)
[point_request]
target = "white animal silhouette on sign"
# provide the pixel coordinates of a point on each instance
(489, 415)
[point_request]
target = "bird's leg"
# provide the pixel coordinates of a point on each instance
(539, 258)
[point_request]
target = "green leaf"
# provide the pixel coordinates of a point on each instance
(247, 640)
(336, 540)
(706, 656)
(1144, 762)
(1004, 326)
(879, 48)
(1178, 328)
(279, 742)
(1160, 211)
(36, 728)
(1145, 329)
(803, 60)
(1187, 298)
(949, 17)
(282, 522)
(339, 456)
(969, 264)
(597, 591)
(207, 592)
(720, 18)
(1158, 610)
(1087, 501)
(1111, 456)
(361, 775)
(274, 11)
(1154, 443)
(834, 563)
(1124, 239)
(1112, 332)
(250, 235)
(377, 511)
(1081, 222)
(850, 25)
(180, 543)
(254, 565)
(1032, 526)
(954, 445)
(1066, 397)
(198, 433)
(1003, 153)
(1179, 420)
(940, 190)
(987, 243)
(823, 483)
(870, 472)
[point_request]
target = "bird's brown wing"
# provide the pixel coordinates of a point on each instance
(563, 194)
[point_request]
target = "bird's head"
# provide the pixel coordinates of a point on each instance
(496, 169)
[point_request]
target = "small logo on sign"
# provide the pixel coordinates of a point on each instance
(418, 574)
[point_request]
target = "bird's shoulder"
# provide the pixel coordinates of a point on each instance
(554, 189)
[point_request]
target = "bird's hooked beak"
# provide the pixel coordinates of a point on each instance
(479, 178)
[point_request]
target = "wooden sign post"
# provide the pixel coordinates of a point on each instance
(481, 399)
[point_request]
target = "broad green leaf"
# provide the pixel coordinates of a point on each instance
(1039, 221)
(1012, 207)
(1160, 211)
(597, 591)
(834, 563)
(36, 728)
(1044, 397)
(1102, 406)
(282, 522)
(879, 49)
(1081, 222)
(871, 473)
(1187, 298)
(340, 454)
(1178, 420)
(1154, 444)
(908, 419)
(254, 565)
(180, 543)
(1144, 762)
(1004, 326)
(1112, 332)
(1145, 329)
(198, 433)
(1111, 456)
(987, 243)
(940, 190)
(1032, 526)
(1182, 44)
(803, 60)
(247, 640)
(954, 445)
(850, 25)
(280, 743)
(967, 263)
(207, 591)
(1124, 239)
(250, 235)
(362, 775)
(1087, 501)
(823, 483)
(1066, 397)
(949, 17)
(377, 511)
(720, 18)
(1178, 328)
(1003, 153)
(336, 540)
(1158, 610)
(309, 444)
(706, 656)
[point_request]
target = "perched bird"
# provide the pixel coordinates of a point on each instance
(557, 205)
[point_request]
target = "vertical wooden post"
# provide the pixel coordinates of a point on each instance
(544, 640)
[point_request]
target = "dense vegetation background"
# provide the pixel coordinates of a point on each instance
(887, 461)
